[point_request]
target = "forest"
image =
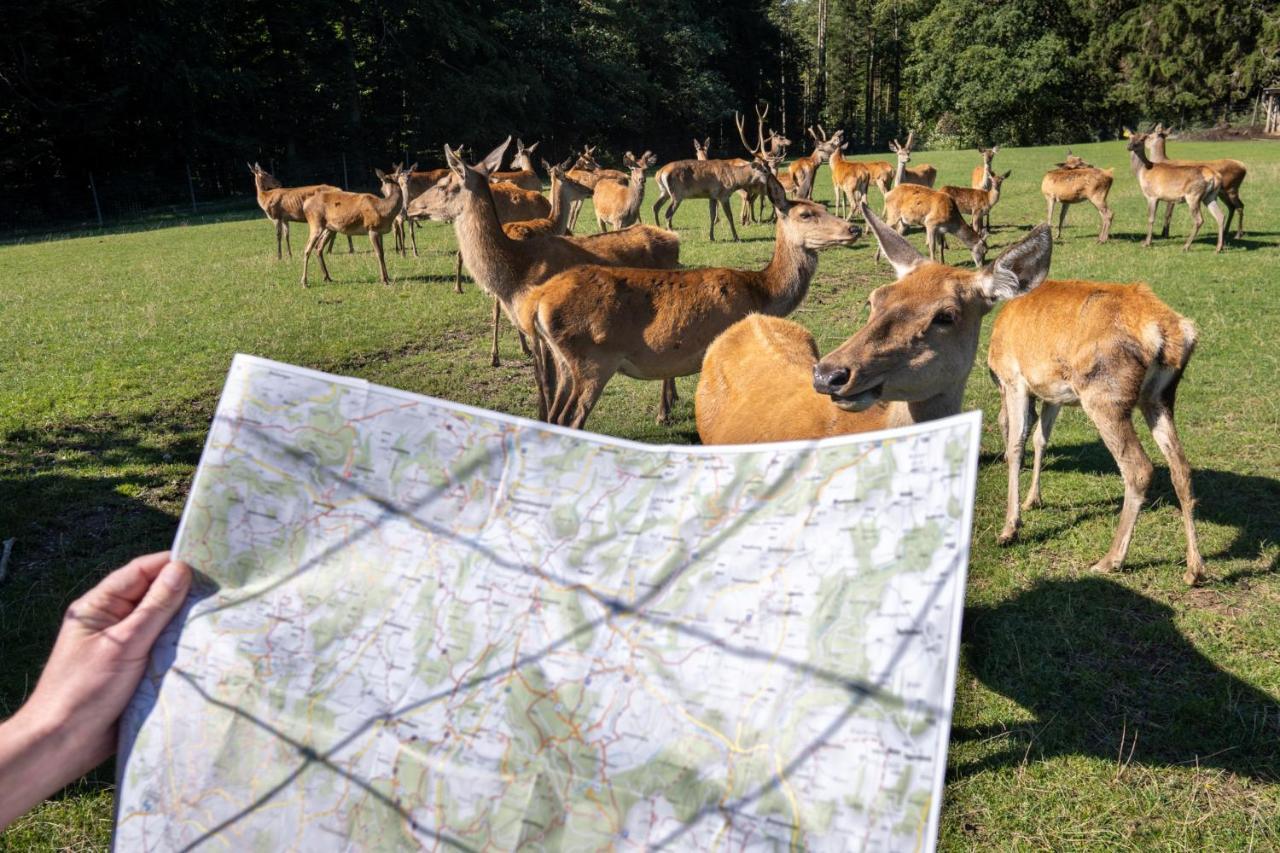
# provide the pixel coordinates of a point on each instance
(158, 97)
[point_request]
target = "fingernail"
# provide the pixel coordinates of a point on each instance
(175, 575)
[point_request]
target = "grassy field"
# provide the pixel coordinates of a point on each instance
(1119, 712)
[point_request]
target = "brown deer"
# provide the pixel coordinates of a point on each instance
(565, 192)
(283, 205)
(850, 180)
(909, 204)
(1075, 181)
(508, 269)
(923, 175)
(803, 170)
(762, 380)
(978, 203)
(352, 213)
(1159, 182)
(715, 180)
(772, 151)
(981, 175)
(522, 173)
(1110, 348)
(412, 185)
(1231, 174)
(592, 322)
(617, 204)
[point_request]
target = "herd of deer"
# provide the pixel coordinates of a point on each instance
(589, 307)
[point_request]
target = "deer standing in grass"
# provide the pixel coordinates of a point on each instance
(762, 380)
(1075, 181)
(803, 170)
(353, 213)
(909, 204)
(923, 175)
(1110, 348)
(283, 205)
(1159, 182)
(772, 151)
(850, 179)
(592, 322)
(617, 204)
(509, 269)
(978, 203)
(714, 180)
(1231, 174)
(412, 185)
(979, 178)
(522, 173)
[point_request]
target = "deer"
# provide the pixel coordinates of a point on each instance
(412, 185)
(850, 179)
(978, 203)
(1159, 182)
(283, 205)
(618, 204)
(1231, 174)
(803, 170)
(923, 175)
(715, 180)
(509, 269)
(1074, 181)
(763, 380)
(522, 173)
(565, 192)
(909, 204)
(589, 323)
(1109, 348)
(347, 213)
(772, 150)
(981, 175)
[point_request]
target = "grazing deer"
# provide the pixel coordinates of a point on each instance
(715, 180)
(353, 213)
(978, 203)
(508, 269)
(909, 204)
(283, 205)
(1231, 174)
(592, 322)
(980, 178)
(803, 170)
(850, 180)
(617, 204)
(1166, 182)
(522, 173)
(762, 380)
(923, 175)
(1110, 348)
(1076, 181)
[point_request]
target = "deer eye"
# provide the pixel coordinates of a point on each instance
(945, 318)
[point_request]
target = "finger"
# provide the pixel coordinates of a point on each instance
(116, 595)
(157, 607)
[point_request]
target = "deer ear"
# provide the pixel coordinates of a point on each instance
(251, 169)
(382, 176)
(493, 160)
(455, 162)
(1006, 175)
(902, 256)
(413, 168)
(1020, 268)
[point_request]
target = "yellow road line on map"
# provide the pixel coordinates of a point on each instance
(791, 798)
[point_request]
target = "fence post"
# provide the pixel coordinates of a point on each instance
(191, 186)
(97, 207)
(346, 185)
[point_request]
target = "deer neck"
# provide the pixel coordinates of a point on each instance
(490, 255)
(900, 172)
(1138, 160)
(391, 203)
(786, 279)
(1157, 154)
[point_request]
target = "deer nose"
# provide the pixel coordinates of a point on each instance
(829, 379)
(854, 231)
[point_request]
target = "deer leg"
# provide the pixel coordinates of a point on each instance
(671, 211)
(1159, 416)
(1216, 210)
(1048, 219)
(413, 235)
(1062, 216)
(376, 239)
(931, 237)
(1114, 420)
(1039, 440)
(665, 401)
(457, 275)
(494, 361)
(728, 215)
(1197, 220)
(1234, 198)
(1107, 215)
(1152, 204)
(306, 254)
(1168, 218)
(587, 393)
(1018, 409)
(712, 202)
(351, 247)
(320, 254)
(279, 224)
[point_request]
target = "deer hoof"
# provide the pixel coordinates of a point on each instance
(1032, 502)
(1104, 566)
(1007, 536)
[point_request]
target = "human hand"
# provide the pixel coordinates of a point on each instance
(68, 726)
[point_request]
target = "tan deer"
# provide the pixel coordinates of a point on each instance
(909, 204)
(590, 323)
(714, 180)
(412, 185)
(1231, 174)
(1159, 182)
(522, 173)
(804, 170)
(1075, 181)
(565, 192)
(762, 380)
(1110, 348)
(978, 203)
(508, 269)
(850, 179)
(352, 213)
(772, 151)
(979, 178)
(283, 205)
(923, 175)
(617, 204)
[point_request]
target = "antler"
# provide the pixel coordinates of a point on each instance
(740, 121)
(760, 117)
(911, 140)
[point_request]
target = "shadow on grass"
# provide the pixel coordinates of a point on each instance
(1107, 674)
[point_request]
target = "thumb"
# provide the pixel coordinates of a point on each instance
(161, 602)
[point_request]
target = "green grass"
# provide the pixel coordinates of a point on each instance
(1120, 712)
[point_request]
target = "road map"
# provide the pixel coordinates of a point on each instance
(421, 624)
